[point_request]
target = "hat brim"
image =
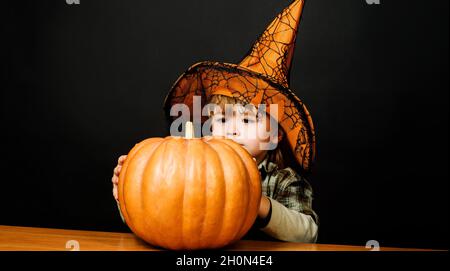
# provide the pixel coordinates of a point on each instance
(209, 78)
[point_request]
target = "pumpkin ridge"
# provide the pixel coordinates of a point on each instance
(165, 157)
(123, 173)
(226, 148)
(146, 184)
(205, 204)
(191, 195)
(138, 147)
(216, 147)
(183, 149)
(139, 152)
(247, 179)
(222, 174)
(249, 184)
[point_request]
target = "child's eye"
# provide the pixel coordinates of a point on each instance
(221, 120)
(248, 120)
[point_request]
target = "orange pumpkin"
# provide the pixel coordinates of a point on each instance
(189, 193)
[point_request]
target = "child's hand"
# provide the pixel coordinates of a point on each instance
(115, 178)
(264, 207)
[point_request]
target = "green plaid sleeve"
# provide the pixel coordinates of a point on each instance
(291, 190)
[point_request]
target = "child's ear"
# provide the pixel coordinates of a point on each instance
(280, 136)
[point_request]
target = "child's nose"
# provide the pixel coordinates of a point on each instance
(233, 134)
(233, 129)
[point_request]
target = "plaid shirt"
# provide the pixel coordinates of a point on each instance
(287, 187)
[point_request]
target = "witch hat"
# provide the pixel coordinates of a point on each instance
(262, 77)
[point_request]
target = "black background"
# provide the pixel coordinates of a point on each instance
(81, 84)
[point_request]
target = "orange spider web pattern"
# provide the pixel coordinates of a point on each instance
(262, 77)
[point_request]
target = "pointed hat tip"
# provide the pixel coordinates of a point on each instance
(272, 53)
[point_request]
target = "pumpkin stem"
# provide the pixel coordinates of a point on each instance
(189, 130)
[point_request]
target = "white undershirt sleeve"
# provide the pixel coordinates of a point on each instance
(290, 225)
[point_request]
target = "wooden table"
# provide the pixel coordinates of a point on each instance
(13, 238)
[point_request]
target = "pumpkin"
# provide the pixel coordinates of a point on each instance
(185, 193)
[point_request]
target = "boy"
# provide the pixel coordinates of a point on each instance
(261, 78)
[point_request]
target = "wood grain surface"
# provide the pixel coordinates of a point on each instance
(14, 238)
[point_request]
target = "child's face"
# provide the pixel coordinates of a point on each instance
(245, 127)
